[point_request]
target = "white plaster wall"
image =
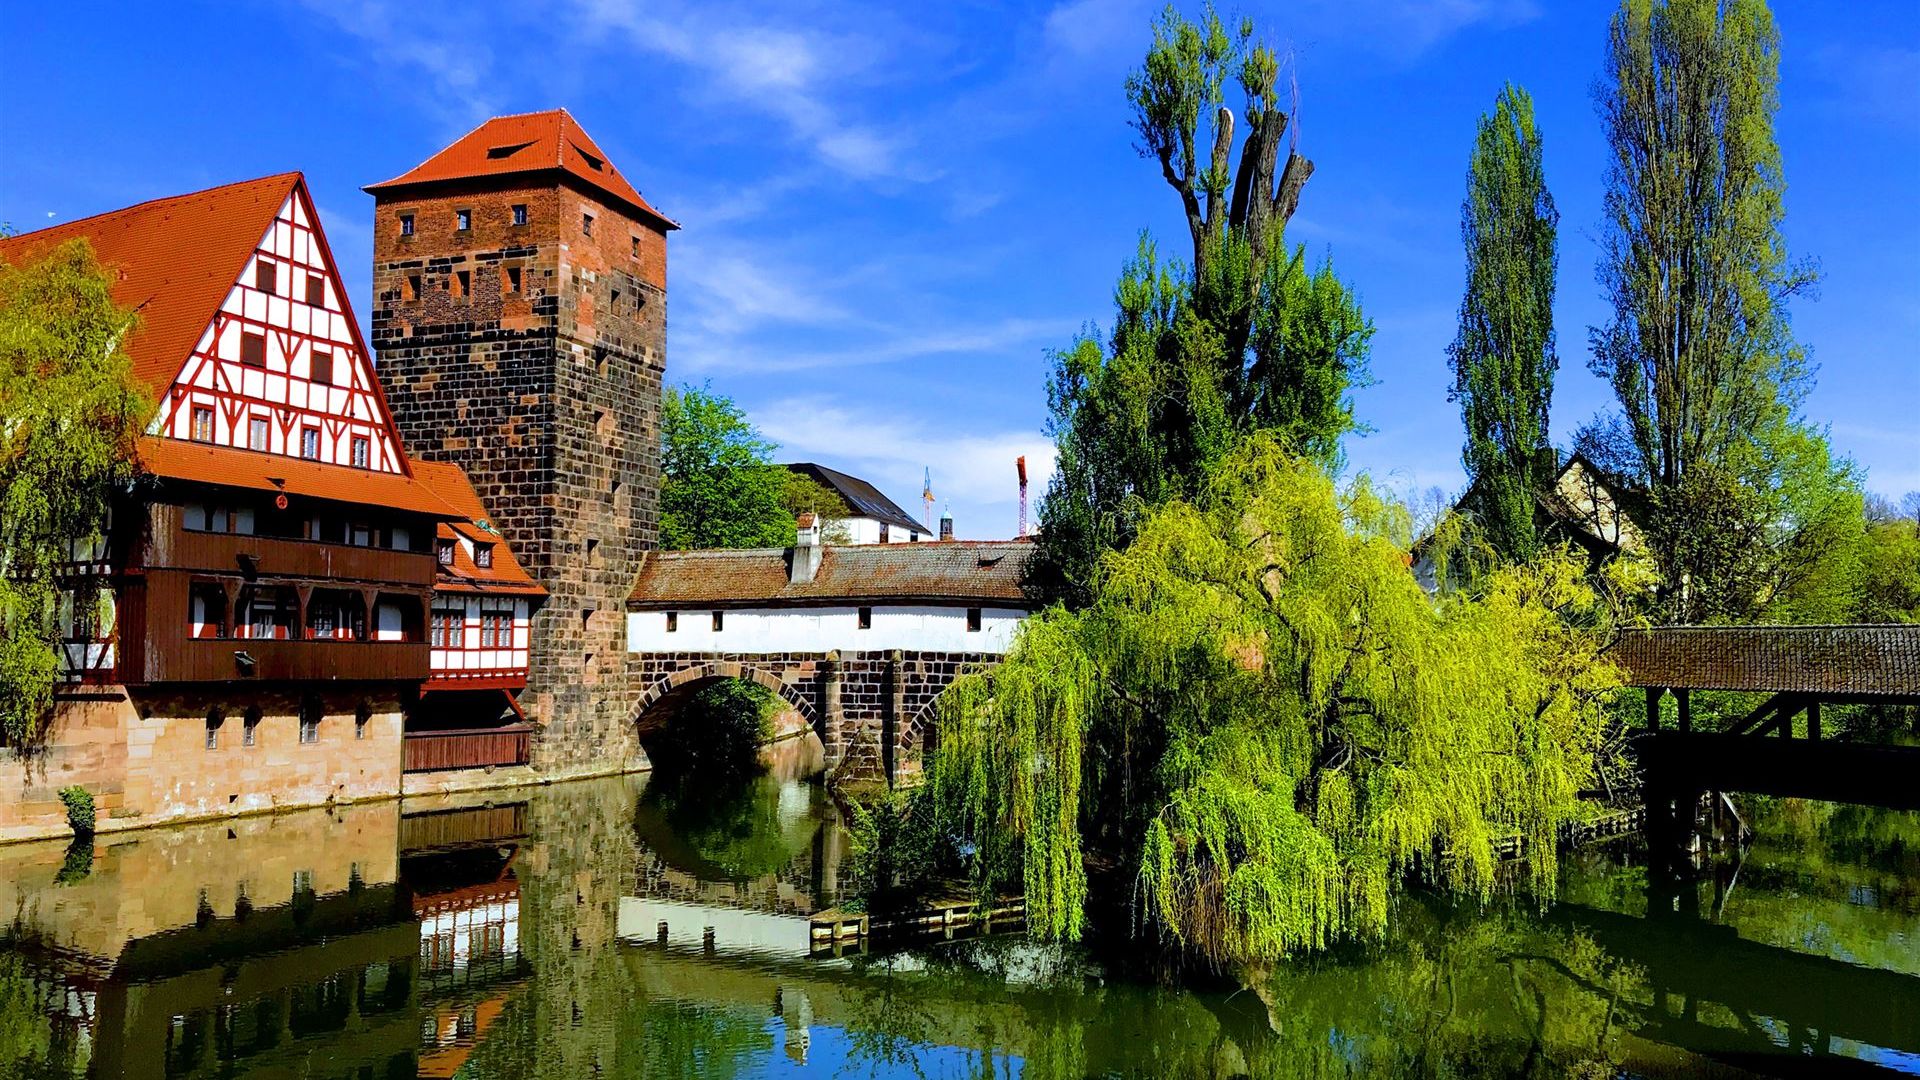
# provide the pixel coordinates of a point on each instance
(866, 530)
(819, 629)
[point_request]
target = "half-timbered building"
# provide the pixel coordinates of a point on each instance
(255, 623)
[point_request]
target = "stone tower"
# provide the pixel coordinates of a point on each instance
(519, 316)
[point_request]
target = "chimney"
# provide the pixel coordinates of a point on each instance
(946, 523)
(806, 550)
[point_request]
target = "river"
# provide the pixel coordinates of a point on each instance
(601, 928)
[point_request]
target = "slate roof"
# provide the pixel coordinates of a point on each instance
(506, 576)
(985, 572)
(207, 463)
(865, 499)
(1839, 660)
(525, 144)
(175, 259)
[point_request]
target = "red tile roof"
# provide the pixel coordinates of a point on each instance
(550, 141)
(506, 575)
(948, 572)
(175, 258)
(205, 463)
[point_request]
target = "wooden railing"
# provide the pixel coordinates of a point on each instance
(466, 748)
(494, 825)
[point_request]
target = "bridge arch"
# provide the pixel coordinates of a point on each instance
(658, 701)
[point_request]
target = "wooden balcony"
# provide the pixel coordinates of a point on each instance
(185, 659)
(275, 558)
(466, 748)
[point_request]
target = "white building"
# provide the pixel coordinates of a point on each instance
(876, 519)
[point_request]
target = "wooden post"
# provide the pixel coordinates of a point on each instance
(1685, 700)
(1653, 707)
(1813, 720)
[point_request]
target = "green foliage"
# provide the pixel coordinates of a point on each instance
(1889, 567)
(1746, 500)
(79, 804)
(805, 495)
(1503, 354)
(69, 413)
(716, 733)
(1243, 338)
(1265, 721)
(719, 487)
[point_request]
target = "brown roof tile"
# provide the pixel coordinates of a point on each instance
(175, 260)
(1838, 660)
(956, 572)
(550, 141)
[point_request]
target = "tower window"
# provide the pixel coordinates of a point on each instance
(316, 291)
(406, 224)
(463, 220)
(520, 214)
(636, 245)
(202, 423)
(593, 551)
(586, 224)
(410, 290)
(263, 276)
(513, 279)
(322, 366)
(462, 283)
(253, 350)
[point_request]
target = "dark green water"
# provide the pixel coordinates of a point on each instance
(593, 929)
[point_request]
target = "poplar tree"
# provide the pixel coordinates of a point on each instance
(1245, 336)
(1503, 354)
(1746, 500)
(70, 410)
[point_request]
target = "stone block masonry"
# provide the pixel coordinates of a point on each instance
(872, 710)
(532, 355)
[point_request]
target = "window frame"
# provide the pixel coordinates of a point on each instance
(194, 431)
(673, 622)
(865, 616)
(309, 441)
(519, 214)
(362, 451)
(266, 276)
(586, 223)
(406, 224)
(253, 349)
(317, 284)
(260, 433)
(719, 620)
(483, 556)
(463, 219)
(975, 618)
(320, 367)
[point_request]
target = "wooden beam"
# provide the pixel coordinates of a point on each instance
(1685, 699)
(1653, 707)
(1813, 719)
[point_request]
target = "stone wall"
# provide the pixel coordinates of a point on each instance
(144, 755)
(549, 396)
(873, 710)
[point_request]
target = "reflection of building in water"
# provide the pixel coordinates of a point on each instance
(259, 947)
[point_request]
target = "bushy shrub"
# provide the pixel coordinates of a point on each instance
(79, 809)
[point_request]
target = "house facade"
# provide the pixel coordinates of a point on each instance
(875, 519)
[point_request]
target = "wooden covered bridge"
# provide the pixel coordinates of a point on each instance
(1782, 746)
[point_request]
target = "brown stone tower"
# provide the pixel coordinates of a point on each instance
(520, 320)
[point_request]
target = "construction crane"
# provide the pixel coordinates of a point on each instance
(926, 496)
(1020, 464)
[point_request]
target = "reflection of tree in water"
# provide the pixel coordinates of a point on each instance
(732, 832)
(37, 1037)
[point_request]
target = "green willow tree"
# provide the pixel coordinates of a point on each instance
(719, 487)
(1746, 500)
(70, 410)
(1503, 354)
(1244, 337)
(1265, 723)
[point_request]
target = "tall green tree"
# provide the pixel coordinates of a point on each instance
(1745, 497)
(70, 410)
(1243, 337)
(1263, 723)
(719, 487)
(1503, 353)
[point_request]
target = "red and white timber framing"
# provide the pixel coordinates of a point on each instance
(479, 642)
(281, 368)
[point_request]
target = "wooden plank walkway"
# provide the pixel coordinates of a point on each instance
(835, 929)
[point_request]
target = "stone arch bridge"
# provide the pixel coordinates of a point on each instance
(859, 640)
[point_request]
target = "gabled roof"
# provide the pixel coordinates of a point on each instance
(209, 463)
(865, 499)
(175, 260)
(506, 576)
(951, 572)
(551, 141)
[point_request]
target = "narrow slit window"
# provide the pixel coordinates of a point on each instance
(673, 622)
(866, 618)
(513, 279)
(410, 289)
(636, 246)
(462, 283)
(586, 224)
(973, 620)
(719, 621)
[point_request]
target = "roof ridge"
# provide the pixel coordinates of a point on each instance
(292, 176)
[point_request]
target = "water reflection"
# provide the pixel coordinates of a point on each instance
(605, 928)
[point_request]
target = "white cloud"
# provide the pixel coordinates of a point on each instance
(972, 470)
(458, 67)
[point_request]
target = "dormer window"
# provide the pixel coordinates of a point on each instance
(483, 556)
(443, 551)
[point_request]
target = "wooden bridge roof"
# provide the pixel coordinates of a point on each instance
(951, 572)
(1850, 661)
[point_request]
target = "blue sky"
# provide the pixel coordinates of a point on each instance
(892, 214)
